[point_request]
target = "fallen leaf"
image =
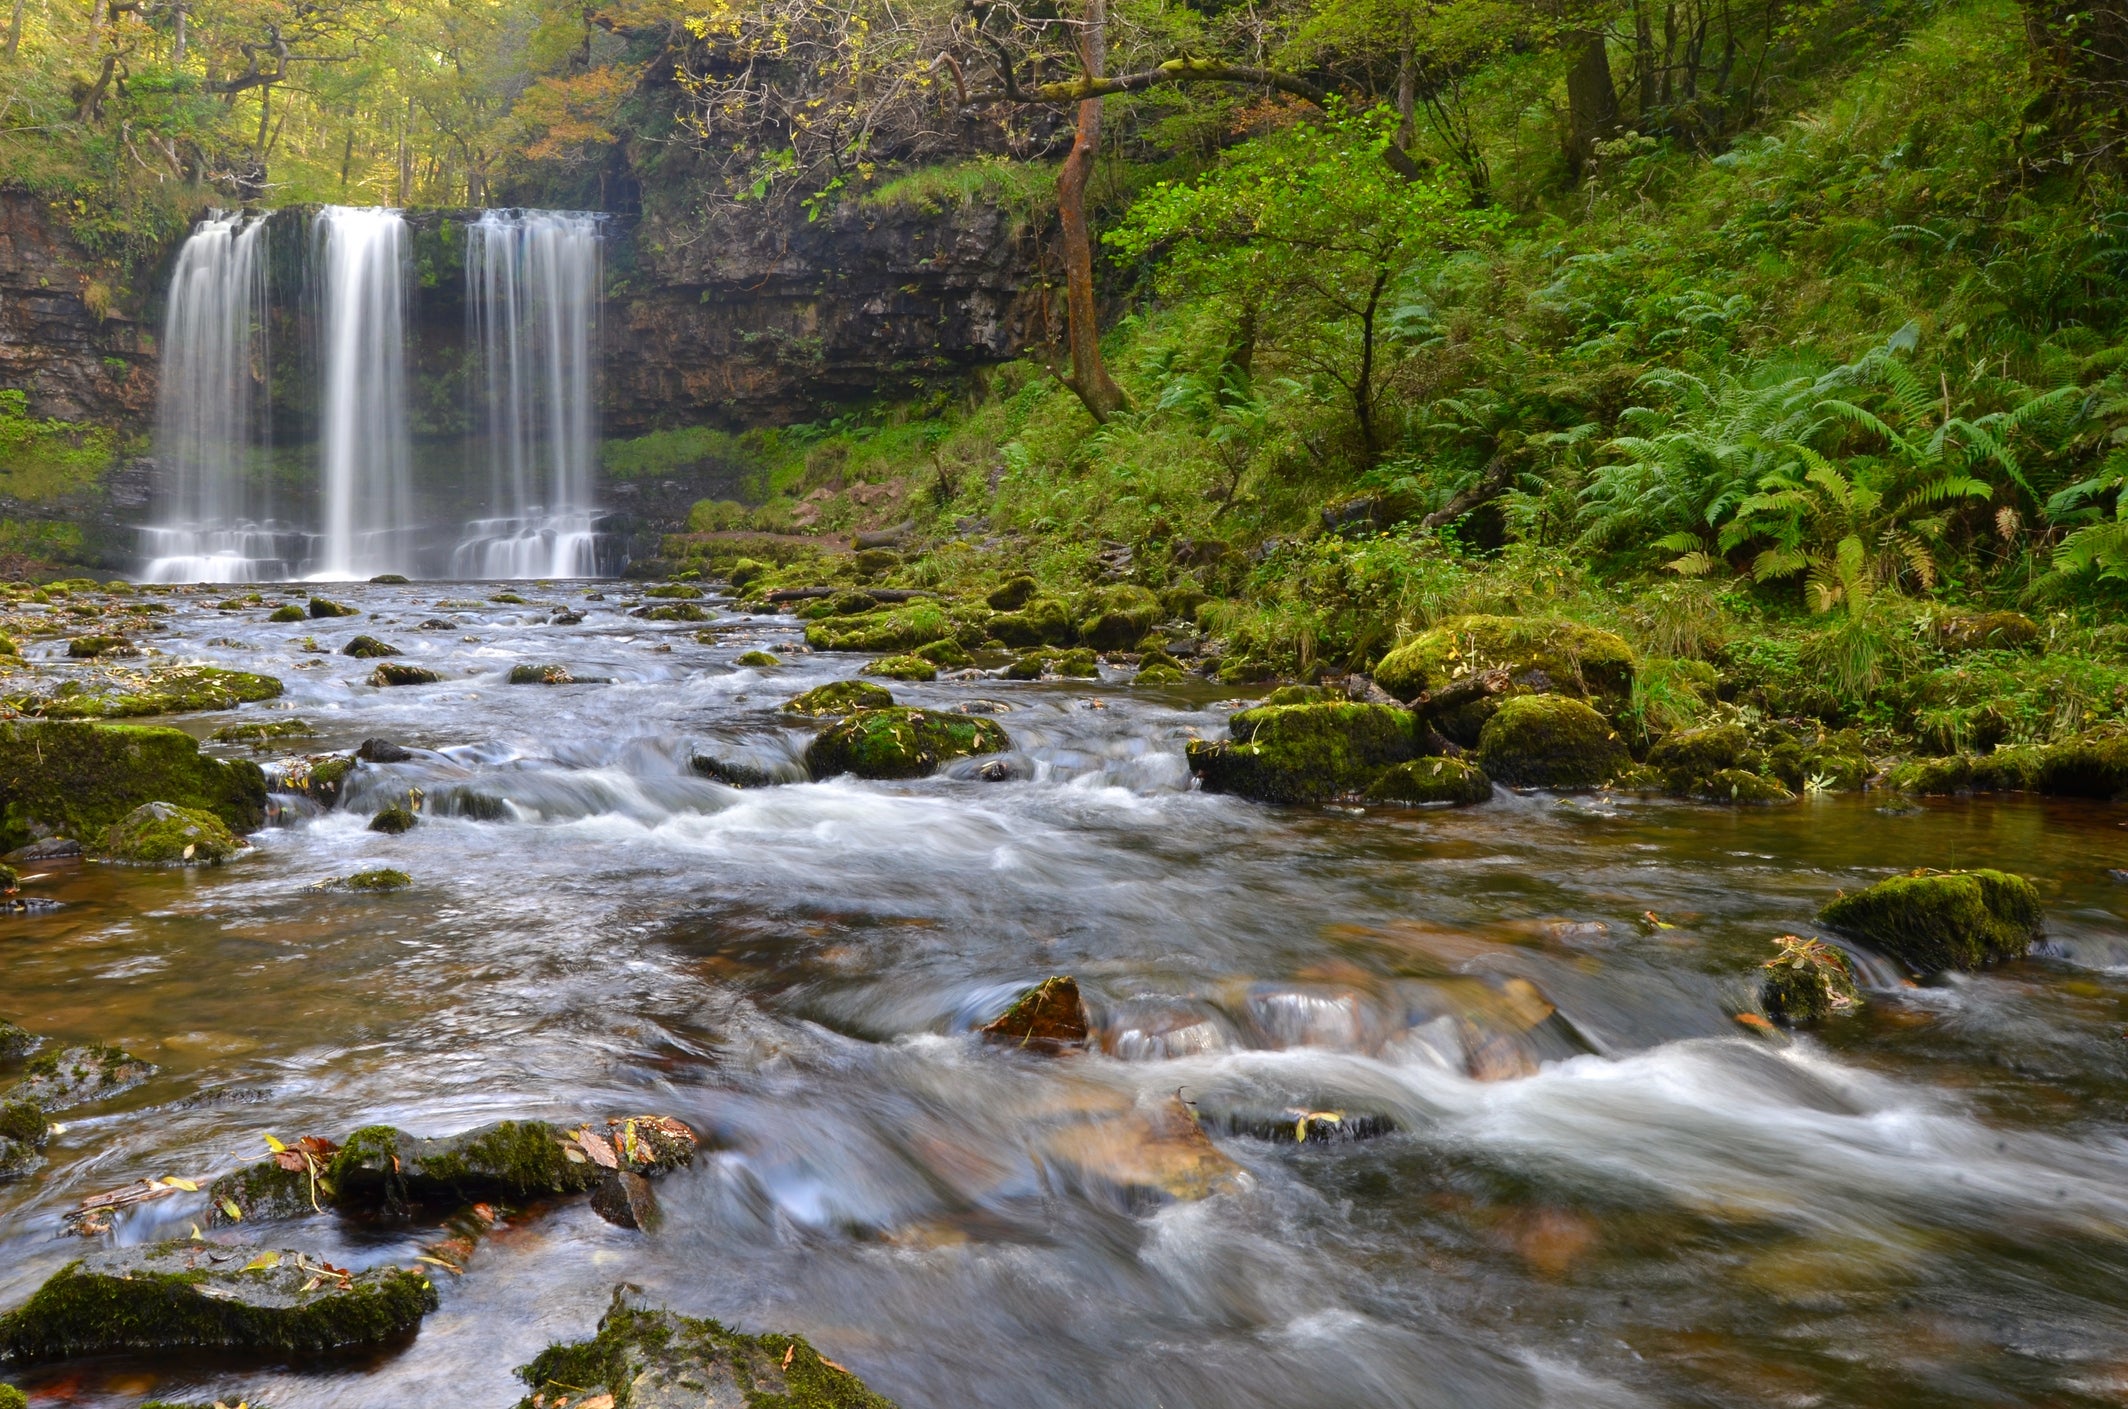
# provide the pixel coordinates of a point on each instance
(171, 1181)
(789, 1351)
(272, 1144)
(1753, 1020)
(595, 1146)
(263, 1262)
(235, 1214)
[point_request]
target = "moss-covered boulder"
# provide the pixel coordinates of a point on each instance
(76, 780)
(1550, 741)
(1984, 631)
(1050, 1017)
(95, 647)
(175, 689)
(391, 674)
(24, 1132)
(377, 881)
(1158, 675)
(1078, 663)
(1117, 618)
(381, 1168)
(1304, 752)
(210, 1296)
(323, 608)
(15, 1042)
(674, 611)
(162, 834)
(1807, 981)
(540, 675)
(394, 821)
(2093, 768)
(1427, 781)
(1740, 788)
(946, 655)
(901, 743)
(903, 629)
(369, 648)
(1946, 920)
(1043, 621)
(903, 667)
(676, 591)
(1687, 758)
(757, 660)
(839, 697)
(1542, 655)
(645, 1359)
(287, 612)
(837, 604)
(77, 1076)
(1013, 593)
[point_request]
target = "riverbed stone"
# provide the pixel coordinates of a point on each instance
(322, 608)
(839, 697)
(386, 1169)
(393, 673)
(901, 629)
(369, 648)
(1807, 981)
(133, 694)
(757, 660)
(1550, 741)
(394, 821)
(1740, 788)
(1425, 781)
(1077, 663)
(163, 834)
(947, 655)
(549, 674)
(24, 1132)
(901, 742)
(1304, 752)
(77, 779)
(76, 1076)
(652, 1359)
(1542, 655)
(1049, 1017)
(203, 1295)
(902, 667)
(97, 646)
(1013, 593)
(287, 612)
(1945, 920)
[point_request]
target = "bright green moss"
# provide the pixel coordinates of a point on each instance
(287, 611)
(160, 834)
(947, 655)
(839, 697)
(757, 660)
(1043, 621)
(1736, 786)
(903, 629)
(1541, 654)
(1549, 741)
(381, 879)
(1807, 981)
(1951, 920)
(76, 780)
(1304, 752)
(906, 667)
(1424, 781)
(901, 743)
(177, 689)
(1116, 618)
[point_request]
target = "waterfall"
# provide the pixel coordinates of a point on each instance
(532, 291)
(365, 450)
(217, 522)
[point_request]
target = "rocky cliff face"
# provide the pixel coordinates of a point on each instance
(76, 363)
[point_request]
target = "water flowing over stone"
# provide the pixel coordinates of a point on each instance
(365, 451)
(532, 289)
(218, 521)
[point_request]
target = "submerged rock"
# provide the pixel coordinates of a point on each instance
(369, 648)
(1550, 741)
(391, 673)
(626, 1200)
(1425, 781)
(75, 1076)
(1947, 920)
(1297, 1124)
(839, 697)
(1807, 981)
(1051, 1016)
(377, 881)
(735, 772)
(901, 743)
(1304, 752)
(161, 834)
(202, 1295)
(648, 1359)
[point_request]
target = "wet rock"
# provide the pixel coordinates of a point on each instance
(541, 675)
(1158, 675)
(1304, 752)
(1686, 758)
(377, 881)
(160, 834)
(839, 697)
(1538, 655)
(15, 1043)
(391, 579)
(1043, 621)
(906, 667)
(1946, 920)
(93, 647)
(735, 772)
(1296, 1124)
(437, 623)
(387, 1169)
(1426, 781)
(757, 660)
(1117, 618)
(1739, 788)
(947, 655)
(902, 629)
(49, 849)
(672, 611)
(1146, 1156)
(1807, 981)
(382, 751)
(263, 732)
(1984, 631)
(286, 612)
(76, 1076)
(175, 689)
(201, 1295)
(626, 1200)
(647, 1359)
(676, 591)
(391, 673)
(324, 607)
(1013, 594)
(1049, 1017)
(1549, 741)
(566, 618)
(368, 648)
(24, 1132)
(394, 821)
(76, 780)
(900, 743)
(1076, 664)
(267, 1192)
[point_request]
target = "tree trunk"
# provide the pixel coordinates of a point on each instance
(14, 32)
(1089, 374)
(177, 49)
(1363, 385)
(1591, 101)
(1407, 99)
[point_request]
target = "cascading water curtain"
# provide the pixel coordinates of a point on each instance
(365, 448)
(532, 298)
(216, 523)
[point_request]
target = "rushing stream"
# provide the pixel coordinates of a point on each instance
(1630, 1200)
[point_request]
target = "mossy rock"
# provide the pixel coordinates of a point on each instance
(394, 821)
(264, 1193)
(391, 674)
(840, 604)
(258, 733)
(1043, 621)
(8, 646)
(1158, 675)
(76, 780)
(900, 742)
(908, 667)
(75, 1076)
(744, 571)
(16, 1042)
(1425, 781)
(1807, 981)
(391, 579)
(946, 655)
(1550, 741)
(541, 675)
(871, 562)
(209, 1296)
(10, 881)
(369, 648)
(1304, 752)
(321, 778)
(175, 689)
(1075, 664)
(288, 611)
(1013, 593)
(1741, 788)
(2093, 768)
(162, 834)
(1984, 631)
(676, 611)
(1688, 758)
(24, 1132)
(886, 632)
(757, 660)
(645, 1359)
(1117, 618)
(677, 591)
(839, 697)
(92, 647)
(1542, 655)
(322, 608)
(1051, 1017)
(383, 1169)
(1949, 920)
(377, 881)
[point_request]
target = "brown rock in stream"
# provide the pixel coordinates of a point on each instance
(1049, 1017)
